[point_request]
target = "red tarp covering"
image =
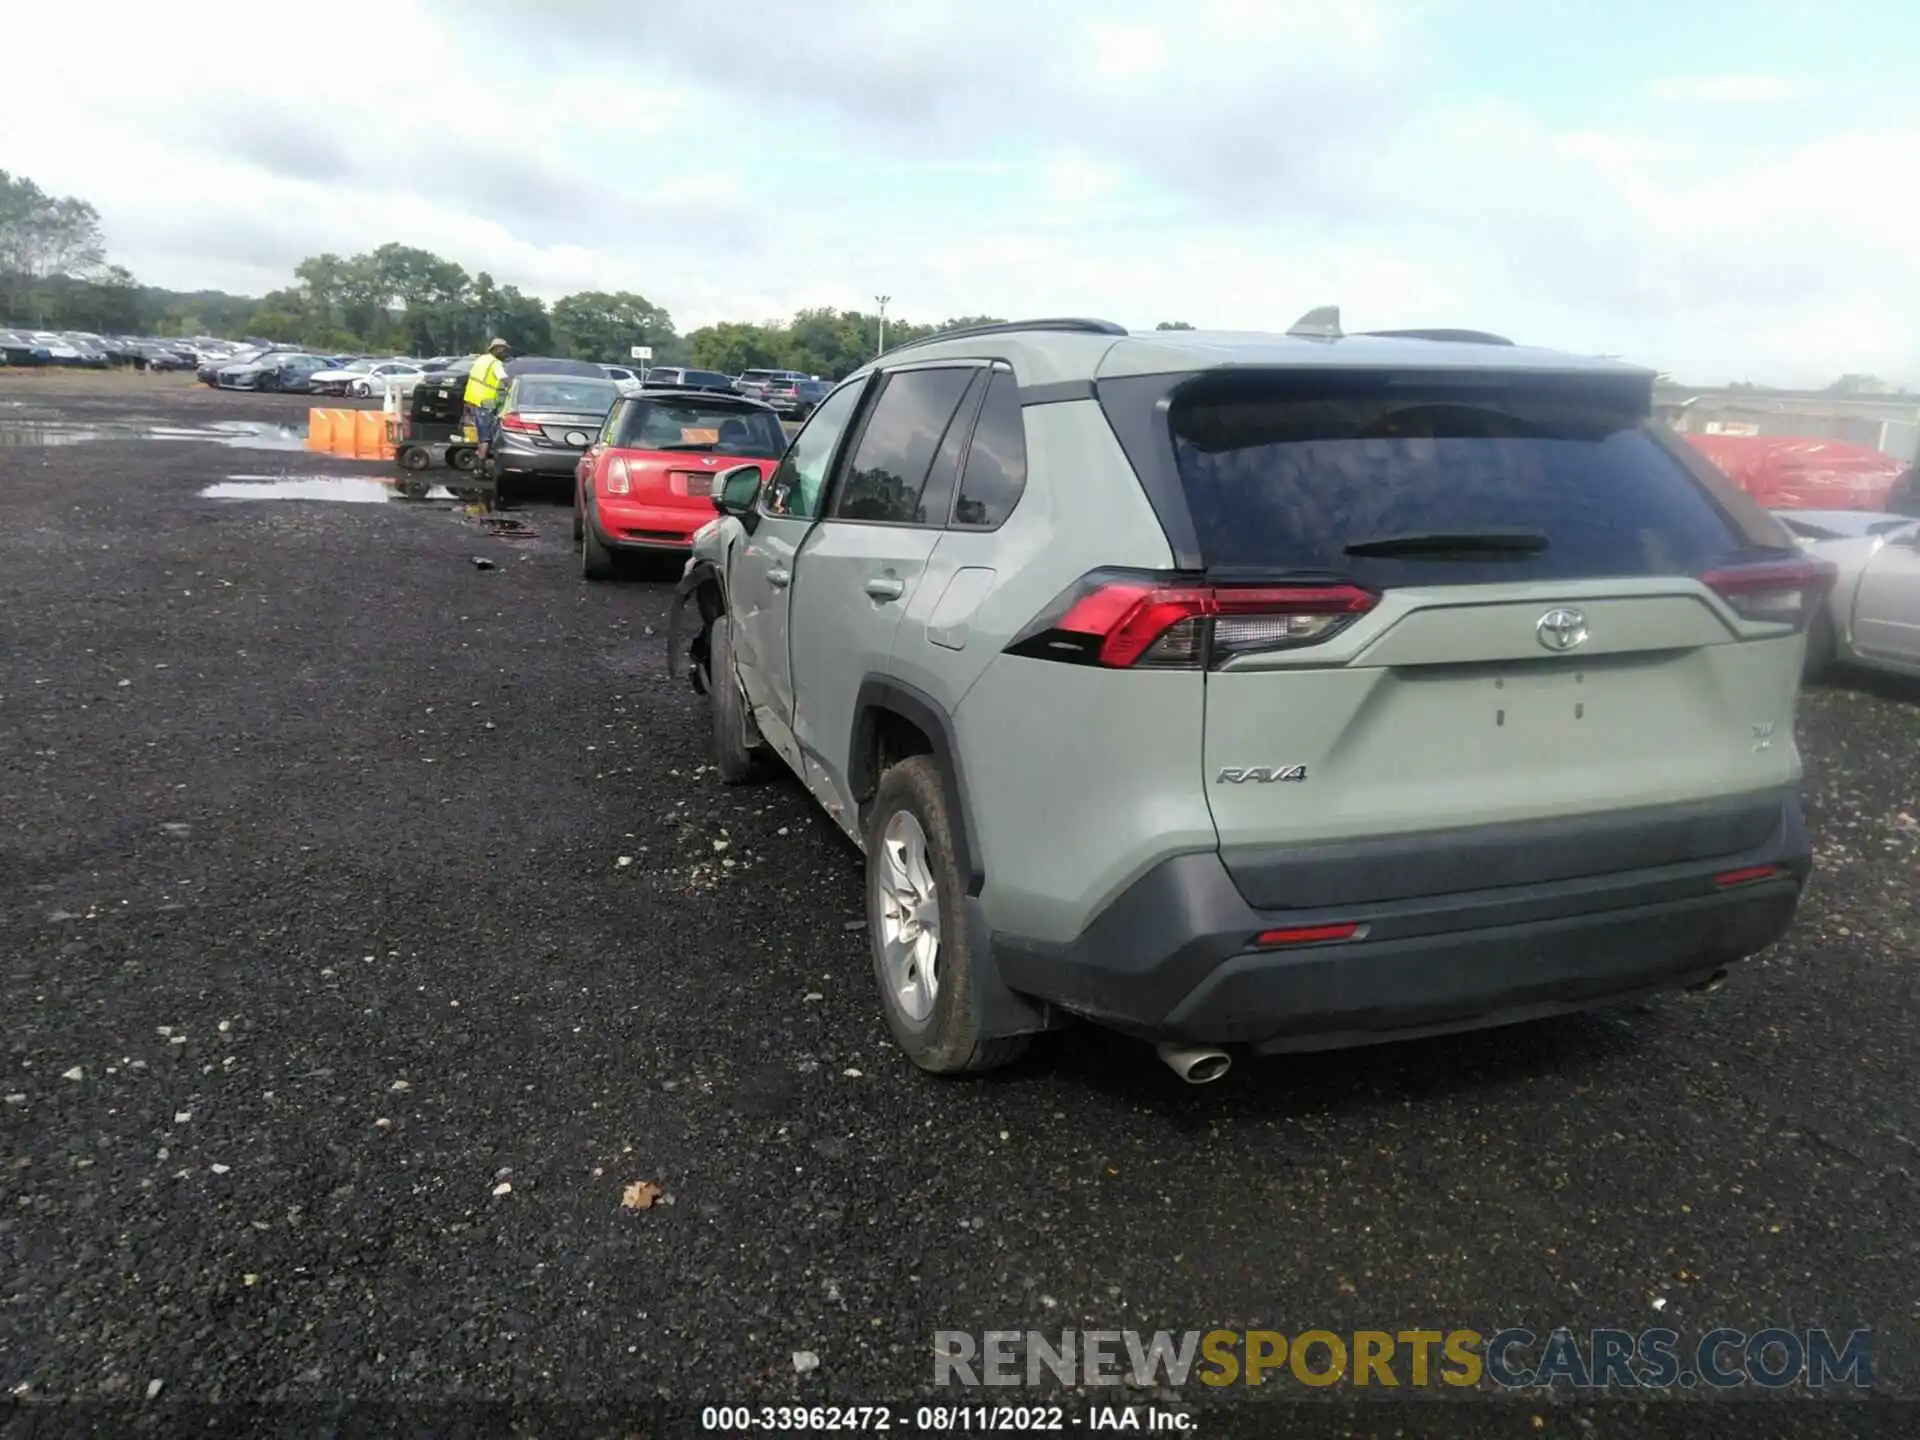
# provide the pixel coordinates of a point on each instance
(1794, 472)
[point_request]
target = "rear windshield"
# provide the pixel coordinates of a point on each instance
(706, 377)
(1284, 475)
(564, 392)
(718, 429)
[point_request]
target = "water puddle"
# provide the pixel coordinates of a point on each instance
(236, 434)
(347, 489)
(354, 492)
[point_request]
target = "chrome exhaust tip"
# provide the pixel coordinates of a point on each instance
(1707, 986)
(1195, 1064)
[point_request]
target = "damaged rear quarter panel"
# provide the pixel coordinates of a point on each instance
(704, 582)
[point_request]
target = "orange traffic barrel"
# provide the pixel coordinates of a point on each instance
(370, 436)
(345, 441)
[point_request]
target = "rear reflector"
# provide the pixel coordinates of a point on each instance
(1129, 621)
(1784, 591)
(1305, 935)
(1747, 876)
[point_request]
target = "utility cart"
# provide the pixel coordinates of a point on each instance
(425, 426)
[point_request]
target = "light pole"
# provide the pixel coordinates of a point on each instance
(881, 301)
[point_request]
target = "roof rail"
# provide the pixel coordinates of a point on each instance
(1458, 337)
(1068, 325)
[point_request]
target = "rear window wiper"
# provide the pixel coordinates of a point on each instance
(1448, 545)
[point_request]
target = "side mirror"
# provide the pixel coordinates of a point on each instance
(739, 489)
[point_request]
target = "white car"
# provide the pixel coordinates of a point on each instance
(61, 350)
(626, 381)
(1872, 615)
(364, 377)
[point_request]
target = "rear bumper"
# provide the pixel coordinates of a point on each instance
(516, 457)
(646, 527)
(1174, 956)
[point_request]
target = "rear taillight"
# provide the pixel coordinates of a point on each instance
(519, 423)
(1785, 591)
(1126, 620)
(1747, 876)
(1309, 935)
(618, 482)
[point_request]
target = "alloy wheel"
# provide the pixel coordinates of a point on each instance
(909, 917)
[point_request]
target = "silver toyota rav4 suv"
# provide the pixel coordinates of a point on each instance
(1264, 692)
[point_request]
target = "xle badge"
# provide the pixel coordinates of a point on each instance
(1259, 774)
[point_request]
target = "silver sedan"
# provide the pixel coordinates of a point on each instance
(1872, 617)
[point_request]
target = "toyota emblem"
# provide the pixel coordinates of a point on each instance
(1561, 629)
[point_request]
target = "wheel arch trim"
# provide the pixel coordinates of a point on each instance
(879, 693)
(1003, 1011)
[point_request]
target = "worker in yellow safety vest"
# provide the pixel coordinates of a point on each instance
(486, 393)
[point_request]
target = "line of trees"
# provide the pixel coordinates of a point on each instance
(398, 299)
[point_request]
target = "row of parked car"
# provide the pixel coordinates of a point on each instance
(77, 349)
(792, 393)
(306, 373)
(261, 365)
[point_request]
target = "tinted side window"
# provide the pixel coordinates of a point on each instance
(889, 470)
(936, 500)
(996, 473)
(802, 472)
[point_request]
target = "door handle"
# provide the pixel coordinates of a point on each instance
(779, 579)
(886, 587)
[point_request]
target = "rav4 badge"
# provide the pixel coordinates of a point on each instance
(1259, 774)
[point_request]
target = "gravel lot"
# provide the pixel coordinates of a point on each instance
(370, 922)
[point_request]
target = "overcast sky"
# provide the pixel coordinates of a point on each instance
(1723, 190)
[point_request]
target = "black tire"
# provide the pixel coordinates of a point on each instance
(596, 561)
(413, 487)
(948, 1041)
(1822, 644)
(461, 457)
(579, 526)
(732, 756)
(415, 457)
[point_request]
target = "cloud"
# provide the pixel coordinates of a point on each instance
(1730, 89)
(1230, 164)
(1122, 52)
(1255, 104)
